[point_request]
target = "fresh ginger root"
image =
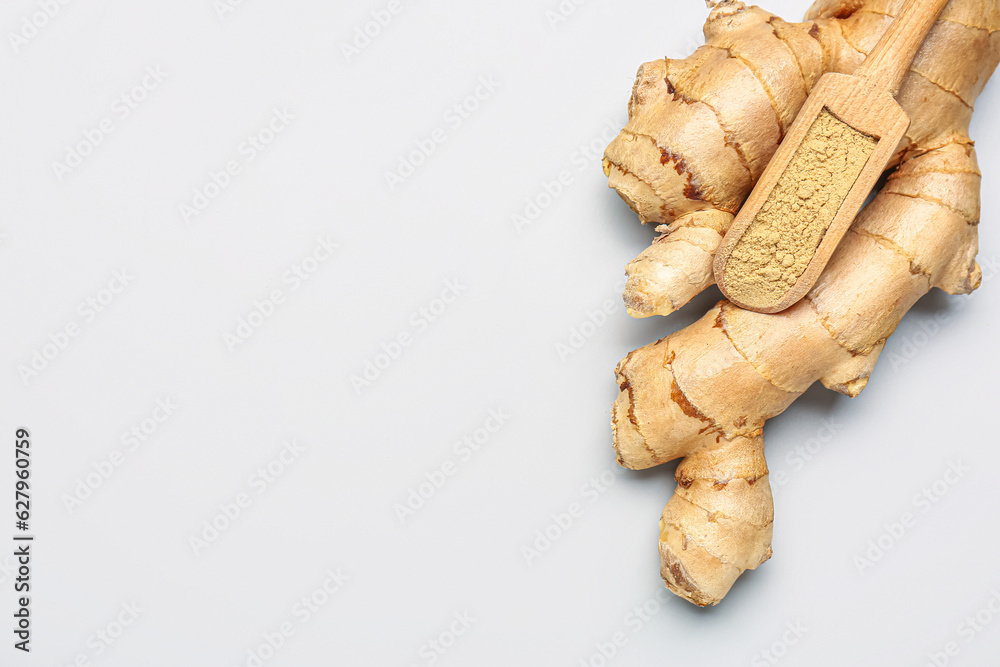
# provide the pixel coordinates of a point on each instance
(700, 132)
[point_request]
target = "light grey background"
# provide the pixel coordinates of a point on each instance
(522, 294)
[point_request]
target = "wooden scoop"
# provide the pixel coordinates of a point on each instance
(821, 174)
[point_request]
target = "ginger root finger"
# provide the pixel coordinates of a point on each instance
(718, 523)
(677, 266)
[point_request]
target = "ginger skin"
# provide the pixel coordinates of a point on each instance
(700, 132)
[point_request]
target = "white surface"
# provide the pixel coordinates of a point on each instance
(493, 348)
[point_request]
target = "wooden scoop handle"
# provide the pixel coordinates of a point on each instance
(891, 58)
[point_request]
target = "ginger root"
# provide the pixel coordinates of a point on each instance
(700, 132)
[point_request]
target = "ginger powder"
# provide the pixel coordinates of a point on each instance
(782, 239)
